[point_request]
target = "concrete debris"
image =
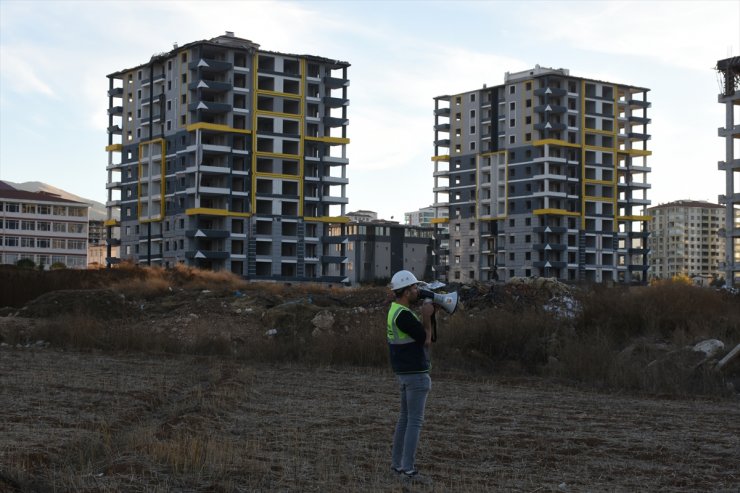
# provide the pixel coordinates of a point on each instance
(710, 347)
(323, 320)
(733, 355)
(563, 306)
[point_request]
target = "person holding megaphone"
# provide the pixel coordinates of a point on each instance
(409, 338)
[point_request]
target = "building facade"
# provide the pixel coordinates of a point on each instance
(684, 240)
(422, 217)
(42, 227)
(544, 175)
(729, 70)
(222, 155)
(373, 251)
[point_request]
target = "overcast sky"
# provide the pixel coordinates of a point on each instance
(55, 55)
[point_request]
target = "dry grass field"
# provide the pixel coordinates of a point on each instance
(151, 380)
(96, 422)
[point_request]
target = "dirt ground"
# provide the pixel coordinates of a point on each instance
(89, 421)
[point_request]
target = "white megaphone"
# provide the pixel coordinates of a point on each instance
(448, 301)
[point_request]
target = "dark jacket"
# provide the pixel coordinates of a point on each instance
(406, 336)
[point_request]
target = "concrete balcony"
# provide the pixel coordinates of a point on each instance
(206, 65)
(207, 254)
(550, 91)
(209, 107)
(550, 108)
(331, 102)
(335, 82)
(116, 92)
(729, 132)
(210, 86)
(207, 233)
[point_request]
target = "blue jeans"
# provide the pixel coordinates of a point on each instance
(414, 390)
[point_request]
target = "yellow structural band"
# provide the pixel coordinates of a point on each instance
(329, 140)
(557, 212)
(295, 116)
(597, 199)
(277, 175)
(556, 142)
(440, 220)
(445, 157)
(279, 94)
(600, 132)
(217, 127)
(493, 153)
(636, 152)
(598, 148)
(275, 154)
(112, 222)
(599, 182)
(215, 212)
(493, 218)
(327, 219)
(634, 218)
(114, 148)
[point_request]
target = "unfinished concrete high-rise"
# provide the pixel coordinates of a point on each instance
(225, 156)
(545, 175)
(729, 72)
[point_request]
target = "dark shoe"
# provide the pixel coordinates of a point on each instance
(415, 477)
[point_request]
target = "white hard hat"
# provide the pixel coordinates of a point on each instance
(403, 279)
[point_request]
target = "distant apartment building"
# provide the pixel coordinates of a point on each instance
(372, 252)
(362, 216)
(544, 175)
(729, 70)
(684, 239)
(96, 232)
(223, 155)
(42, 227)
(422, 217)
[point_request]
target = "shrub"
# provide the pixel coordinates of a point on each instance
(26, 263)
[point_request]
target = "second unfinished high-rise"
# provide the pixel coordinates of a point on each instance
(544, 175)
(729, 70)
(223, 155)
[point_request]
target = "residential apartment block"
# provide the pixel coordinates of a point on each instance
(42, 227)
(223, 155)
(729, 70)
(373, 251)
(422, 217)
(684, 239)
(544, 175)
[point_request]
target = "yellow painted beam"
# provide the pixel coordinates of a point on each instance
(440, 220)
(279, 115)
(445, 157)
(634, 218)
(114, 148)
(112, 222)
(597, 199)
(329, 140)
(277, 175)
(279, 94)
(275, 154)
(557, 212)
(215, 212)
(327, 219)
(556, 142)
(216, 127)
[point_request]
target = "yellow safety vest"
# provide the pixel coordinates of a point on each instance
(393, 333)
